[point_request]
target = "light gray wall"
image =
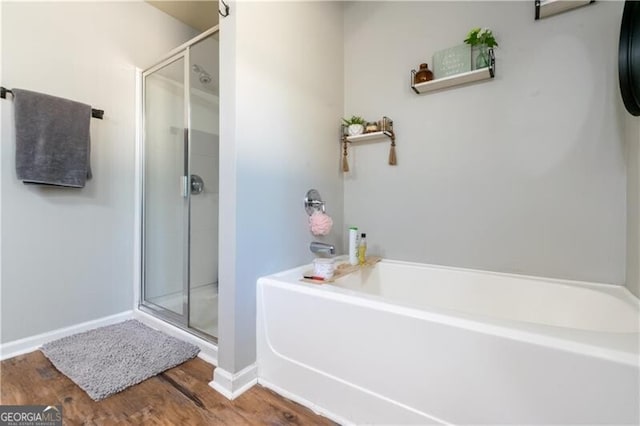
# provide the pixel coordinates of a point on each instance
(67, 254)
(282, 64)
(633, 204)
(524, 173)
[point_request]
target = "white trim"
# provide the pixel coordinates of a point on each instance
(137, 200)
(32, 343)
(208, 351)
(231, 385)
(305, 402)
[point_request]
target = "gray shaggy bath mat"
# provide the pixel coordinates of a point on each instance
(109, 359)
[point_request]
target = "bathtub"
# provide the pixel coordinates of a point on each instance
(406, 343)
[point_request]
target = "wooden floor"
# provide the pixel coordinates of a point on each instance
(179, 396)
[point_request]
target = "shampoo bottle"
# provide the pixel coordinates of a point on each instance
(362, 249)
(353, 245)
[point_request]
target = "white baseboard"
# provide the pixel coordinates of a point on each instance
(32, 343)
(306, 403)
(208, 351)
(231, 385)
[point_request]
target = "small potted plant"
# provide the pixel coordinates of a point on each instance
(355, 125)
(482, 39)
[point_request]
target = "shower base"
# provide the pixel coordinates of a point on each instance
(204, 307)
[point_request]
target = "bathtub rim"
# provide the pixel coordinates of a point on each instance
(618, 292)
(538, 334)
(607, 287)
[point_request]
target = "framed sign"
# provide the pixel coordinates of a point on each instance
(452, 61)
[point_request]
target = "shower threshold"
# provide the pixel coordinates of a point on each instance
(203, 315)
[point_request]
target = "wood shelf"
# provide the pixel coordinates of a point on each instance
(380, 135)
(546, 8)
(481, 74)
(369, 136)
(342, 269)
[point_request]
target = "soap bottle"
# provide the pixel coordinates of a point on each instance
(362, 249)
(353, 245)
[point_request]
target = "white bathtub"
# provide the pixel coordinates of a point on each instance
(410, 343)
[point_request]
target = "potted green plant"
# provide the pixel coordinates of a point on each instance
(481, 39)
(355, 125)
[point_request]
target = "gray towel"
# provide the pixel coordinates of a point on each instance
(52, 139)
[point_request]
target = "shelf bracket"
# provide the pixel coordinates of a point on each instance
(492, 63)
(413, 79)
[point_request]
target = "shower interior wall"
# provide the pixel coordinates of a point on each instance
(204, 158)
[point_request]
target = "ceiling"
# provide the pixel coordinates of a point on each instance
(200, 15)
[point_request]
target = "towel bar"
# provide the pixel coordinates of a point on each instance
(95, 113)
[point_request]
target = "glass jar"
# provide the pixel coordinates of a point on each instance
(324, 267)
(481, 52)
(424, 74)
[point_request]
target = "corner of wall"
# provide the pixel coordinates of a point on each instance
(270, 157)
(632, 136)
(232, 385)
(227, 234)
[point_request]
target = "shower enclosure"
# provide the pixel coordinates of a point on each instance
(180, 187)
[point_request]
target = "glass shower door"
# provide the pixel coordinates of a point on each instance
(165, 196)
(180, 188)
(204, 164)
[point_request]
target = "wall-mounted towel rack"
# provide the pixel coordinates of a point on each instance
(95, 113)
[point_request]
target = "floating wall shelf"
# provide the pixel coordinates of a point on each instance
(387, 134)
(369, 136)
(546, 8)
(457, 79)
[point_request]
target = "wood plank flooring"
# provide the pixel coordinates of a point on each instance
(179, 396)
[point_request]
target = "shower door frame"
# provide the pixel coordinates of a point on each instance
(167, 314)
(182, 321)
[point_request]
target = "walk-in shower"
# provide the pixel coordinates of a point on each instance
(180, 187)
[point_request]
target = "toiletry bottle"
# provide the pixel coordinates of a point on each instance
(353, 245)
(362, 249)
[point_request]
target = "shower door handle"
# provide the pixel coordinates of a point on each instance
(197, 185)
(186, 182)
